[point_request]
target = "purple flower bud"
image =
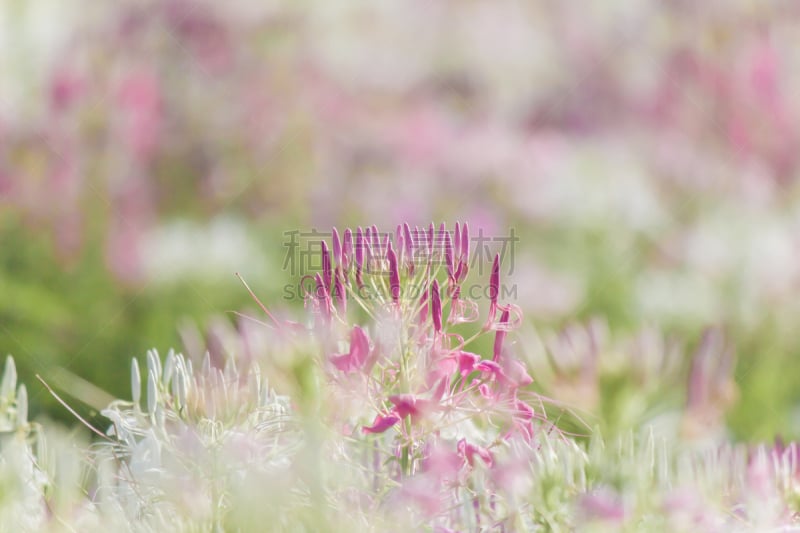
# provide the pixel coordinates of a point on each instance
(386, 240)
(337, 248)
(323, 298)
(494, 283)
(457, 241)
(448, 254)
(339, 292)
(409, 242)
(359, 245)
(326, 266)
(423, 307)
(500, 336)
(394, 273)
(401, 250)
(465, 243)
(460, 273)
(430, 240)
(347, 249)
(376, 242)
(436, 307)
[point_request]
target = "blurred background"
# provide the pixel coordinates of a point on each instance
(644, 152)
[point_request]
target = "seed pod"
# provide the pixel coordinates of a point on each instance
(183, 382)
(174, 385)
(206, 371)
(9, 382)
(153, 362)
(136, 381)
(152, 392)
(169, 367)
(22, 406)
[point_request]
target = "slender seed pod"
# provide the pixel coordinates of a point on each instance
(136, 381)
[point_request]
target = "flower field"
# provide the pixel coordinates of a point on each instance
(226, 308)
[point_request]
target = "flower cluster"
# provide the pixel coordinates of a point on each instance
(408, 391)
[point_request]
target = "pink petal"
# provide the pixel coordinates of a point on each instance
(490, 367)
(356, 358)
(467, 362)
(517, 373)
(359, 345)
(404, 404)
(381, 424)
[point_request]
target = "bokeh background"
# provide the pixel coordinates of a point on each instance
(645, 152)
